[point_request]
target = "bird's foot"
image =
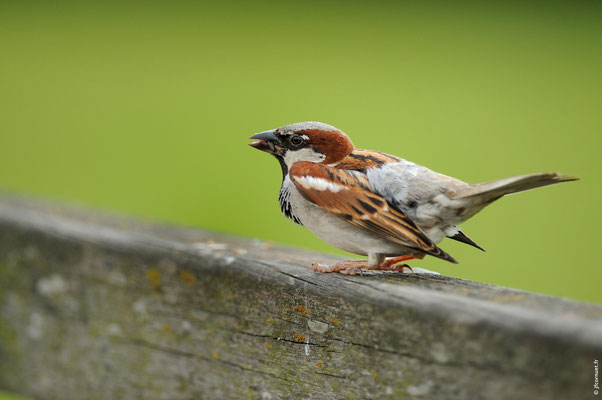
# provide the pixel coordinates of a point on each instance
(396, 267)
(344, 267)
(356, 267)
(396, 260)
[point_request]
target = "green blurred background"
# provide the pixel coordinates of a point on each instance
(145, 108)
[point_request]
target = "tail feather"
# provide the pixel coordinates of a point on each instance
(490, 191)
(461, 237)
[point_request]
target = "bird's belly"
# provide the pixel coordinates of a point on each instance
(341, 234)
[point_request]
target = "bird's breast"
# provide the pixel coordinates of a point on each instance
(333, 230)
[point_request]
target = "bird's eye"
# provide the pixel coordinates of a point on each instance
(296, 140)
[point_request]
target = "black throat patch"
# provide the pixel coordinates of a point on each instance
(284, 198)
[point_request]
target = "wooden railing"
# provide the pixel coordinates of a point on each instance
(102, 307)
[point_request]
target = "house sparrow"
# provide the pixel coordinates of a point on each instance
(375, 204)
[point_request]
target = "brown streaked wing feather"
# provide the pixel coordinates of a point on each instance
(360, 160)
(359, 206)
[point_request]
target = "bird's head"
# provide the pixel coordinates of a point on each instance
(304, 141)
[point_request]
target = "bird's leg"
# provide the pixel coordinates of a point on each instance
(392, 263)
(344, 267)
(374, 262)
(397, 267)
(396, 260)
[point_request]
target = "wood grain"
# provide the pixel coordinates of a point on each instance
(104, 307)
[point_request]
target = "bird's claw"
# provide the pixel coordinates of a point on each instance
(352, 271)
(357, 267)
(396, 268)
(344, 267)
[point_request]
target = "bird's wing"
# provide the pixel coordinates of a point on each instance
(362, 160)
(347, 195)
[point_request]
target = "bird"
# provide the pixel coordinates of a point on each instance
(375, 204)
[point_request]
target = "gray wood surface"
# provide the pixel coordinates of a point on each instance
(103, 307)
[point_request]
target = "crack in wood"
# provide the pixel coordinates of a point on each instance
(175, 352)
(278, 270)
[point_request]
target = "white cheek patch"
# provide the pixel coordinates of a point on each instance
(309, 182)
(306, 154)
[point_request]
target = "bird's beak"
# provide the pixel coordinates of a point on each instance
(266, 141)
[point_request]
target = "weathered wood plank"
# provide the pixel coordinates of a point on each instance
(100, 307)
